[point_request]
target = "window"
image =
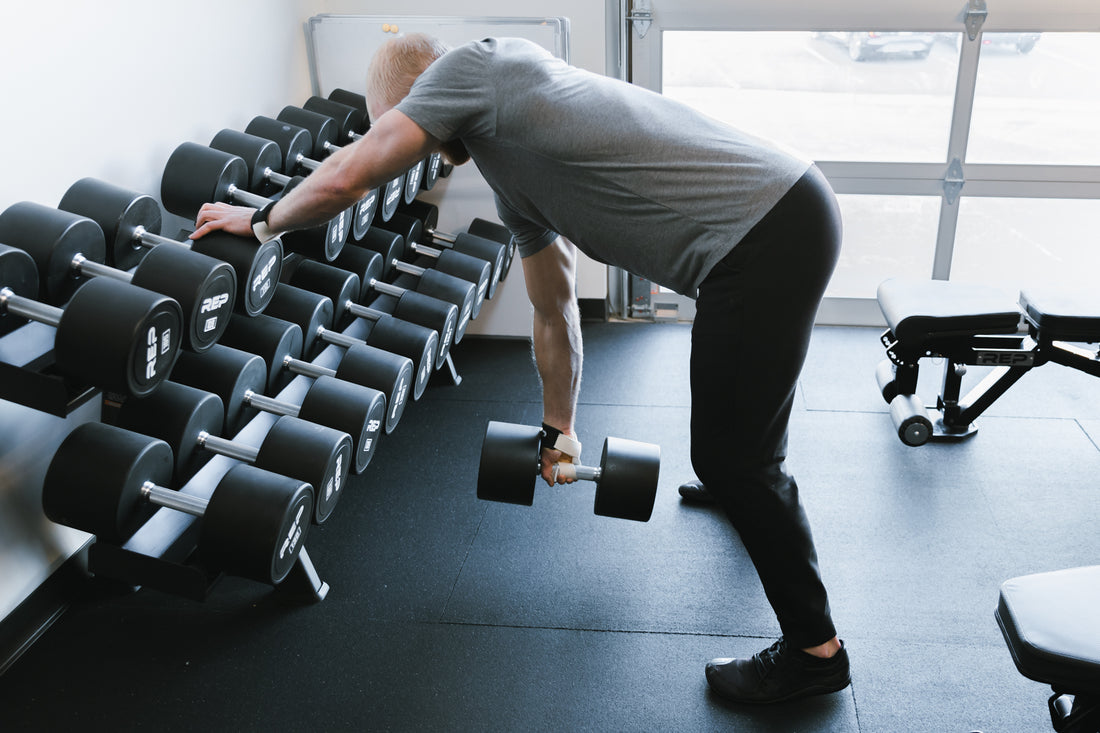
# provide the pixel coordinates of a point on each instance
(961, 146)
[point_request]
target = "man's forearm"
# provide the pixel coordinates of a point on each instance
(558, 357)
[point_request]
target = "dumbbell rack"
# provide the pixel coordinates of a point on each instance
(26, 358)
(156, 555)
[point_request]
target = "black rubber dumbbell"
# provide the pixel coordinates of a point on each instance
(108, 481)
(490, 250)
(438, 285)
(191, 422)
(304, 148)
(495, 232)
(239, 378)
(69, 249)
(626, 479)
(330, 134)
(351, 121)
(279, 343)
(131, 223)
(268, 162)
(422, 344)
(111, 334)
(342, 105)
(196, 174)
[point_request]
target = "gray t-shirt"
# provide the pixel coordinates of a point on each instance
(633, 178)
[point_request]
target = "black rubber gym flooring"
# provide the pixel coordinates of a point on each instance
(449, 613)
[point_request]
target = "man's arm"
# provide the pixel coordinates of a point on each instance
(392, 145)
(550, 275)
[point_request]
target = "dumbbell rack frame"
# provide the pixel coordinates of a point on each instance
(156, 554)
(26, 358)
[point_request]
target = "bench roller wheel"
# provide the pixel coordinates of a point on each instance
(884, 376)
(911, 419)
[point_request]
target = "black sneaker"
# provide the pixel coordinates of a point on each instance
(694, 492)
(777, 674)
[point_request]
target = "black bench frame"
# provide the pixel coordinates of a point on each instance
(1011, 355)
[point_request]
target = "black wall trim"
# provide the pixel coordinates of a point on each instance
(593, 309)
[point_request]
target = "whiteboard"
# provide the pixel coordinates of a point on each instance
(341, 46)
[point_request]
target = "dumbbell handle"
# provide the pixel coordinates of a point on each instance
(575, 471)
(146, 238)
(228, 448)
(83, 266)
(279, 179)
(297, 366)
(308, 163)
(173, 499)
(269, 404)
(422, 249)
(386, 288)
(407, 268)
(27, 308)
(441, 236)
(239, 195)
(335, 337)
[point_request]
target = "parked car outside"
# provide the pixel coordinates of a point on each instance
(866, 45)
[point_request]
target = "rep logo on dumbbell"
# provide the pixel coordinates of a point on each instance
(626, 479)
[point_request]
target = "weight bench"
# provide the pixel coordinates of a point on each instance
(1049, 621)
(973, 325)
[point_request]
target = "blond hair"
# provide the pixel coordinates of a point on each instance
(395, 67)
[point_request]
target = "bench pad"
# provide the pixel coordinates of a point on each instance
(1063, 316)
(1050, 623)
(918, 310)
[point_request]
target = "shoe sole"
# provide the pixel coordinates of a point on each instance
(796, 695)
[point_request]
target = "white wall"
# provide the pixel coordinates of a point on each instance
(465, 195)
(109, 89)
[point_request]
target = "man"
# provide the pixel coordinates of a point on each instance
(581, 161)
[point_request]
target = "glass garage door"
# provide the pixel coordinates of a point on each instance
(961, 137)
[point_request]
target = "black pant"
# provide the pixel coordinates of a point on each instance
(754, 316)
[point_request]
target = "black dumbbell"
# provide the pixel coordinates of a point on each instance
(626, 479)
(111, 334)
(303, 149)
(329, 134)
(239, 379)
(351, 99)
(427, 215)
(473, 269)
(349, 109)
(422, 344)
(352, 122)
(196, 174)
(108, 481)
(438, 285)
(191, 421)
(280, 342)
(69, 249)
(495, 232)
(267, 164)
(131, 223)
